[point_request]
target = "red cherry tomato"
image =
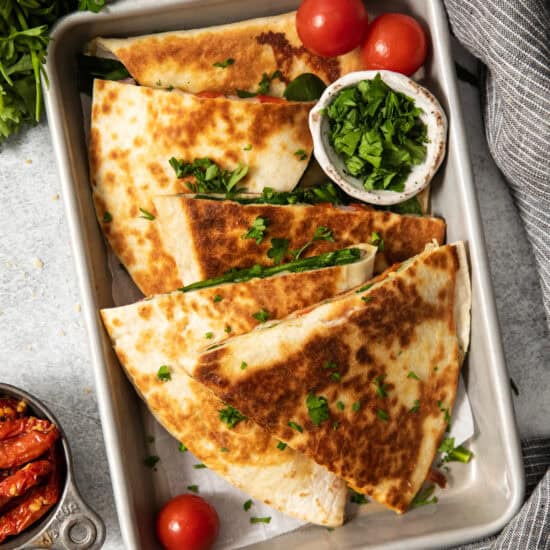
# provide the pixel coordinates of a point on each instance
(187, 522)
(209, 95)
(395, 42)
(270, 99)
(331, 27)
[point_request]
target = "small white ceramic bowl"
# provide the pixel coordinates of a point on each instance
(334, 167)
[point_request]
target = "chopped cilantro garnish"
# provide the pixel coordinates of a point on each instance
(227, 329)
(377, 241)
(380, 386)
(217, 298)
(231, 416)
(423, 497)
(244, 365)
(445, 412)
(357, 498)
(146, 215)
(107, 217)
(323, 233)
(413, 375)
(366, 299)
(383, 415)
(263, 86)
(248, 147)
(452, 453)
(193, 488)
(295, 426)
(247, 505)
(378, 133)
(330, 365)
(209, 177)
(164, 373)
(224, 64)
(336, 376)
(317, 408)
(301, 154)
(278, 250)
(151, 461)
(199, 466)
(262, 316)
(224, 449)
(335, 425)
(260, 520)
(416, 406)
(281, 446)
(257, 230)
(209, 335)
(340, 405)
(182, 448)
(356, 406)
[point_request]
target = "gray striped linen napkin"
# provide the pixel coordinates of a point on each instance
(512, 39)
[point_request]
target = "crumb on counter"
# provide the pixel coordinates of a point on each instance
(38, 263)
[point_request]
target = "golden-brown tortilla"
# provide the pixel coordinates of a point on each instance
(168, 329)
(185, 59)
(386, 358)
(205, 236)
(134, 133)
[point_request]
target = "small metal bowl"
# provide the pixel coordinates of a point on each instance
(333, 165)
(71, 524)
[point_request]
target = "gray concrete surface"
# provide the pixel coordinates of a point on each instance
(43, 345)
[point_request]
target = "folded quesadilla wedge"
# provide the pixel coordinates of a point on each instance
(134, 133)
(191, 59)
(169, 329)
(363, 384)
(207, 237)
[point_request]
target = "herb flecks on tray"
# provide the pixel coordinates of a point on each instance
(209, 177)
(450, 453)
(24, 28)
(328, 259)
(378, 133)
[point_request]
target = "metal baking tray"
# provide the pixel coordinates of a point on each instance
(484, 495)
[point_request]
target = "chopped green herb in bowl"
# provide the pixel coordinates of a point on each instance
(379, 135)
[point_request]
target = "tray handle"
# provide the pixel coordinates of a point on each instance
(75, 526)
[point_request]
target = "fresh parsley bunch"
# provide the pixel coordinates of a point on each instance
(24, 38)
(378, 133)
